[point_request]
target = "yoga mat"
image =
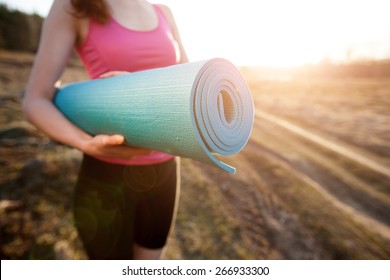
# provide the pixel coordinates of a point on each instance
(197, 110)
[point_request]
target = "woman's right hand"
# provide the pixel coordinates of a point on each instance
(111, 146)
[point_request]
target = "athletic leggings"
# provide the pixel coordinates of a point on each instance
(116, 206)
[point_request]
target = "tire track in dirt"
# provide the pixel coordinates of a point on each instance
(358, 215)
(325, 167)
(325, 143)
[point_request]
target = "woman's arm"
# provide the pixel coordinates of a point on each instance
(168, 14)
(58, 38)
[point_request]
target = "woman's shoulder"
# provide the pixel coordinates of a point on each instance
(62, 7)
(62, 11)
(62, 14)
(166, 11)
(168, 14)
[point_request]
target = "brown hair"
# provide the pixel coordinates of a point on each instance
(95, 9)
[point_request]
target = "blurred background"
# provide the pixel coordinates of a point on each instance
(312, 183)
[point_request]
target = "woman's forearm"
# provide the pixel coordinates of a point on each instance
(45, 116)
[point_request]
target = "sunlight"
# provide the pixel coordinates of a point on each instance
(283, 33)
(274, 33)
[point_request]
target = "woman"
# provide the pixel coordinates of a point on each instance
(125, 199)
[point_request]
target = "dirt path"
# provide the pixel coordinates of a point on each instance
(358, 216)
(326, 143)
(361, 208)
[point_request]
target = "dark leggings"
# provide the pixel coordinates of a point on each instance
(116, 206)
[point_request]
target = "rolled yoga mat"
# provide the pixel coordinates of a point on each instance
(197, 110)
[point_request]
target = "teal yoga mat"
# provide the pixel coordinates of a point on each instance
(200, 110)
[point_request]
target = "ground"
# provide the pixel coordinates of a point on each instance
(293, 196)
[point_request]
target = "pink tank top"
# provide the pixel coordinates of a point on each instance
(113, 47)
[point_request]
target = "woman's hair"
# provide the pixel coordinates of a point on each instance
(95, 9)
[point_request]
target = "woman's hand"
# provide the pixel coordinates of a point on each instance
(111, 146)
(112, 74)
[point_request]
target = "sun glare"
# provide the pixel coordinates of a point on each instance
(277, 32)
(283, 33)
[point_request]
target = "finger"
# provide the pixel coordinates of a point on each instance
(107, 75)
(114, 140)
(108, 140)
(112, 74)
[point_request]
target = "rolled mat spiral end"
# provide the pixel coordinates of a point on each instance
(196, 110)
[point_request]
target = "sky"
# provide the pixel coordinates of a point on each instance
(273, 32)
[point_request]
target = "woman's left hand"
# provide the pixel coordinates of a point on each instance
(112, 74)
